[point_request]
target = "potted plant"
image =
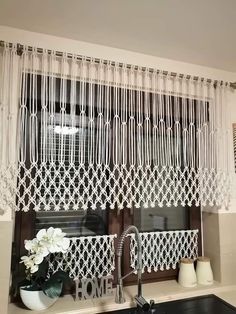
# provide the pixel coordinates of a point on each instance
(39, 289)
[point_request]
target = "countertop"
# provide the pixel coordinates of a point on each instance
(158, 291)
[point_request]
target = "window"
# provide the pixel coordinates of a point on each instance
(75, 221)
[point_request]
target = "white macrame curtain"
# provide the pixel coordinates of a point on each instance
(9, 108)
(98, 134)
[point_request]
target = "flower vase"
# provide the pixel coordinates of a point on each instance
(36, 300)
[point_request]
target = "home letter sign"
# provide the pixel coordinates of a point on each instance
(90, 288)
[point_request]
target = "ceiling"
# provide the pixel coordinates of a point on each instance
(195, 31)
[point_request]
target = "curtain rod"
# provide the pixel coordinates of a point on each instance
(20, 48)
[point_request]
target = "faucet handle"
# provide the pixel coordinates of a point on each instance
(152, 302)
(142, 303)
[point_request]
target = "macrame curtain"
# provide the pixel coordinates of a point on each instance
(9, 109)
(92, 133)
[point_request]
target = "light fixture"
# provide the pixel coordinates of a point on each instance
(65, 130)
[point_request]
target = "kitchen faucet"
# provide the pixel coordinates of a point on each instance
(141, 302)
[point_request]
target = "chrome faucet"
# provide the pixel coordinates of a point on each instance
(141, 302)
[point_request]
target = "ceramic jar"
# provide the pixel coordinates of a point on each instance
(187, 275)
(204, 271)
(36, 300)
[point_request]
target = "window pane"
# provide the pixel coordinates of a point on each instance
(161, 218)
(74, 223)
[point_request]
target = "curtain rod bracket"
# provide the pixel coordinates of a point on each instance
(19, 49)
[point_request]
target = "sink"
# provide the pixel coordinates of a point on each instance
(209, 304)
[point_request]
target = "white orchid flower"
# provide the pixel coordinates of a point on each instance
(29, 262)
(41, 234)
(47, 241)
(38, 259)
(42, 250)
(32, 245)
(35, 247)
(53, 239)
(65, 243)
(34, 269)
(58, 241)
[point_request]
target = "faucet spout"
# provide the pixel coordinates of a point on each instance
(119, 290)
(120, 293)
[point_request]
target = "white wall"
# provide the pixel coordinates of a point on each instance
(114, 54)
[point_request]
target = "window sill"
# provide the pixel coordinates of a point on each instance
(158, 291)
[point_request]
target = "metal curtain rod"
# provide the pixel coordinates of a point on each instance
(20, 48)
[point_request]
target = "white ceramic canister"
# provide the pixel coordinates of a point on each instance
(204, 271)
(187, 275)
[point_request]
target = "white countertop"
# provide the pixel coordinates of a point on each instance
(158, 291)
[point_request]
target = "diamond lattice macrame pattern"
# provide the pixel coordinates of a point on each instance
(163, 250)
(94, 256)
(87, 257)
(56, 187)
(8, 188)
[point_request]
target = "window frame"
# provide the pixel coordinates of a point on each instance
(194, 222)
(118, 221)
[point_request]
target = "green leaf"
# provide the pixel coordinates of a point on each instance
(32, 288)
(52, 289)
(62, 276)
(53, 286)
